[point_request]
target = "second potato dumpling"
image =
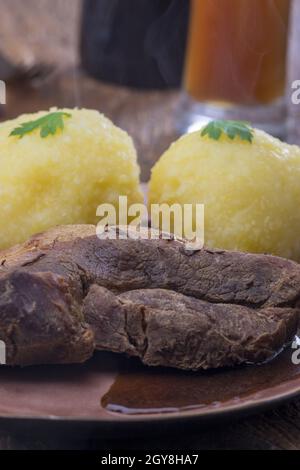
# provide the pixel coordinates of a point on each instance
(250, 189)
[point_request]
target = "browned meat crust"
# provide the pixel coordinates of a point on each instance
(65, 289)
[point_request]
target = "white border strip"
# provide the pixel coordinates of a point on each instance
(2, 92)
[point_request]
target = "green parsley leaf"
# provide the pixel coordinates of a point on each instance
(231, 129)
(48, 125)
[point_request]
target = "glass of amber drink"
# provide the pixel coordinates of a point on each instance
(236, 62)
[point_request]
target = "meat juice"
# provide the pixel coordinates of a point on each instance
(237, 50)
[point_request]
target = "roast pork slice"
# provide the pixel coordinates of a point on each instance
(66, 289)
(164, 328)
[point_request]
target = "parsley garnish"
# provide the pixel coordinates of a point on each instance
(231, 129)
(48, 125)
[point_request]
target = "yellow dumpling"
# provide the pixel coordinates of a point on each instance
(61, 179)
(251, 191)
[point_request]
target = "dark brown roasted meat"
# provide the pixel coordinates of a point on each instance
(65, 292)
(164, 328)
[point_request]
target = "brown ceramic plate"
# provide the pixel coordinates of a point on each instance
(114, 393)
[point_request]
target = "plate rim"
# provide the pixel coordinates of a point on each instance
(209, 413)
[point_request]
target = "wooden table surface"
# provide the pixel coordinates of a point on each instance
(150, 117)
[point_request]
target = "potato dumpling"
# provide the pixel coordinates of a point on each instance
(62, 178)
(251, 191)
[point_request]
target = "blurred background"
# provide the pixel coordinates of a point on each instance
(124, 58)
